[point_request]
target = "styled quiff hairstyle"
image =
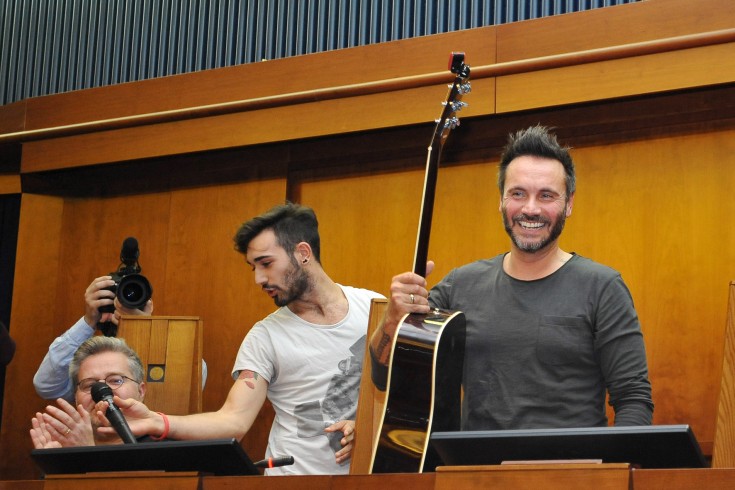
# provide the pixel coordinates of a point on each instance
(99, 344)
(291, 223)
(538, 142)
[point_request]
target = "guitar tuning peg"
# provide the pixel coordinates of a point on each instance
(451, 123)
(465, 88)
(458, 105)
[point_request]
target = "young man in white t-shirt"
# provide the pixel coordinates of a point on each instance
(306, 357)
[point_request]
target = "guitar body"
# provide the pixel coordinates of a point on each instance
(424, 392)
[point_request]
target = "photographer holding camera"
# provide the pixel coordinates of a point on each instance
(52, 378)
(123, 292)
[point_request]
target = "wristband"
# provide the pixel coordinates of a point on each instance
(166, 427)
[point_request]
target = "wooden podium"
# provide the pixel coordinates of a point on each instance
(171, 351)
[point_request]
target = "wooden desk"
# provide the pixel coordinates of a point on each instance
(583, 476)
(138, 480)
(553, 476)
(684, 479)
(21, 485)
(425, 481)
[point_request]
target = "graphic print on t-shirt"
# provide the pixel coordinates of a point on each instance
(339, 403)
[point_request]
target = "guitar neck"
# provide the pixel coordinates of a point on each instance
(421, 254)
(444, 125)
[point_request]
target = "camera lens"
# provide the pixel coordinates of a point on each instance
(134, 291)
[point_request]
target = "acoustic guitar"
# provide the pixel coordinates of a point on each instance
(424, 388)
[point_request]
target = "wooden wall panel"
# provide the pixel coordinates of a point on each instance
(233, 130)
(32, 322)
(369, 221)
(367, 225)
(9, 184)
(617, 78)
(723, 452)
(93, 232)
(468, 225)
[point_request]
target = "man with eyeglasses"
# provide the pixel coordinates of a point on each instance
(99, 358)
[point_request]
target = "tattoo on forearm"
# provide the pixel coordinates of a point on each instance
(250, 377)
(384, 342)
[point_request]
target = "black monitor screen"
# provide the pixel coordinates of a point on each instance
(655, 446)
(213, 456)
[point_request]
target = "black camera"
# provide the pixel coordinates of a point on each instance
(131, 287)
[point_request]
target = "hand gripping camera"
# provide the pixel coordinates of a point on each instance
(131, 288)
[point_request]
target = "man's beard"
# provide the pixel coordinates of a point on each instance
(296, 284)
(533, 247)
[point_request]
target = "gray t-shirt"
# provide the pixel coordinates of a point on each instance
(541, 354)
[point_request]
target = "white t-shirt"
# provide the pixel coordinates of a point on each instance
(313, 373)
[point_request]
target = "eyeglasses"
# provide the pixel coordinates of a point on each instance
(114, 381)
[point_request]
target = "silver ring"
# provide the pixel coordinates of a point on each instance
(412, 297)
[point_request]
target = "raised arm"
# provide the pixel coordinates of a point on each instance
(51, 380)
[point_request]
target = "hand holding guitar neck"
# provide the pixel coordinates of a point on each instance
(408, 295)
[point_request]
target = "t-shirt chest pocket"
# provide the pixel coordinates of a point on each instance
(563, 340)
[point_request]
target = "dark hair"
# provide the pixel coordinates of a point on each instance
(536, 141)
(99, 344)
(292, 224)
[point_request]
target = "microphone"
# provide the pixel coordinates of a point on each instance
(274, 462)
(129, 253)
(102, 392)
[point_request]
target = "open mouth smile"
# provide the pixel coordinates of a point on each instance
(531, 225)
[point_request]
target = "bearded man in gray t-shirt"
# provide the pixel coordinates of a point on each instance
(549, 333)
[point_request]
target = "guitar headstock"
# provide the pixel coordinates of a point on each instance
(453, 104)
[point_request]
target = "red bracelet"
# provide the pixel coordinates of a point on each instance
(166, 427)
